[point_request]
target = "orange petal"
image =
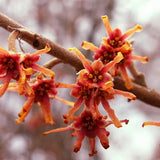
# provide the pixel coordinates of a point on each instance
(151, 123)
(105, 41)
(101, 133)
(87, 45)
(111, 113)
(130, 32)
(65, 101)
(85, 62)
(92, 146)
(78, 143)
(107, 24)
(25, 110)
(139, 58)
(46, 108)
(109, 65)
(125, 94)
(97, 65)
(43, 70)
(3, 51)
(57, 130)
(64, 85)
(4, 87)
(128, 82)
(75, 107)
(45, 50)
(108, 84)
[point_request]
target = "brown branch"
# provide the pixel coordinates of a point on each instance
(139, 78)
(144, 94)
(37, 41)
(52, 63)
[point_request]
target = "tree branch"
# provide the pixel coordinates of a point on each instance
(39, 42)
(142, 93)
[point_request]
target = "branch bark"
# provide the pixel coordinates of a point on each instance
(39, 42)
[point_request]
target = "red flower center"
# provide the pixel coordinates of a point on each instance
(95, 76)
(27, 63)
(9, 63)
(42, 89)
(106, 57)
(85, 92)
(88, 123)
(116, 42)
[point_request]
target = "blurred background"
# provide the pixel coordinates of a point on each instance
(68, 23)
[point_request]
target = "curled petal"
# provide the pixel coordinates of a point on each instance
(87, 45)
(107, 25)
(130, 32)
(45, 50)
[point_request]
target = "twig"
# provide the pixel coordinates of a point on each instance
(37, 41)
(52, 63)
(139, 78)
(144, 94)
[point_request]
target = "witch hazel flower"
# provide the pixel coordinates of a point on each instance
(111, 45)
(28, 64)
(20, 67)
(151, 123)
(92, 97)
(10, 68)
(85, 126)
(94, 85)
(95, 74)
(44, 90)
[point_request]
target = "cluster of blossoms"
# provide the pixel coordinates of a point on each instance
(21, 67)
(94, 85)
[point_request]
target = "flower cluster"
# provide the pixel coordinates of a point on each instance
(21, 67)
(113, 44)
(94, 85)
(86, 125)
